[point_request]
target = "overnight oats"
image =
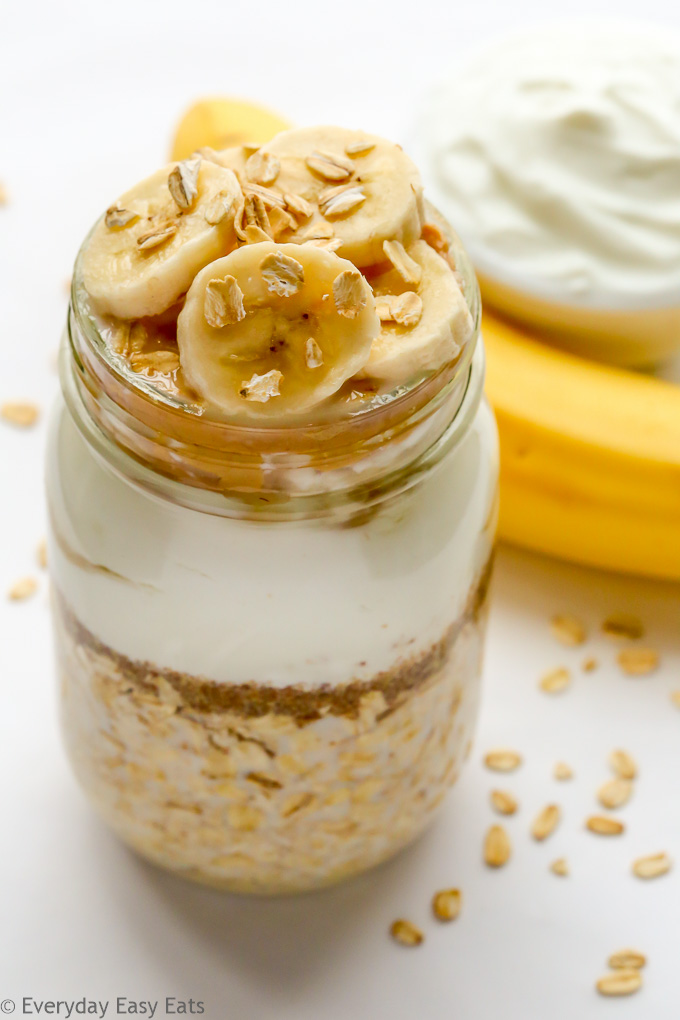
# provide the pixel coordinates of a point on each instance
(272, 489)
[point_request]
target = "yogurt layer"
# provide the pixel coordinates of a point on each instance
(147, 577)
(557, 155)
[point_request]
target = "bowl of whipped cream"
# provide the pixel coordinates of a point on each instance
(557, 154)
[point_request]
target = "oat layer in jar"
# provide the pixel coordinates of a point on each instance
(272, 487)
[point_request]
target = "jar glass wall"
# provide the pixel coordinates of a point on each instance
(270, 693)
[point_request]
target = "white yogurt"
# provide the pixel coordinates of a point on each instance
(557, 155)
(278, 603)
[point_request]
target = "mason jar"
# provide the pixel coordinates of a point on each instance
(269, 640)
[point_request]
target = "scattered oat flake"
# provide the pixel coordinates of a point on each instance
(383, 307)
(446, 904)
(502, 760)
(223, 303)
(330, 167)
(271, 198)
(218, 208)
(282, 274)
(261, 388)
(327, 244)
(604, 826)
(623, 625)
(359, 148)
(156, 237)
(349, 293)
(23, 589)
(562, 771)
(404, 309)
(546, 822)
(406, 933)
(652, 866)
(435, 237)
(183, 183)
(161, 362)
(256, 212)
(675, 698)
(503, 802)
(623, 764)
(262, 167)
(4, 197)
(589, 665)
(117, 218)
(344, 203)
(409, 270)
(560, 867)
(638, 661)
(568, 630)
(407, 309)
(555, 681)
(19, 412)
(41, 554)
(313, 354)
(627, 959)
(239, 213)
(615, 793)
(497, 847)
(318, 231)
(255, 235)
(620, 982)
(299, 206)
(281, 221)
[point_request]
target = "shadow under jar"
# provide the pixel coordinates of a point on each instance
(269, 640)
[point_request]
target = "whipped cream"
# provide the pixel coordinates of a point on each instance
(557, 156)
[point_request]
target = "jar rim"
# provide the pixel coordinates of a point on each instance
(177, 440)
(367, 491)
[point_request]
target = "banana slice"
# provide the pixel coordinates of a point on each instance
(425, 318)
(274, 329)
(356, 190)
(151, 243)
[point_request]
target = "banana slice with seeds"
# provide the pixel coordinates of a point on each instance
(364, 188)
(424, 325)
(149, 246)
(272, 330)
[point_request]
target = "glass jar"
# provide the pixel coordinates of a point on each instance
(269, 641)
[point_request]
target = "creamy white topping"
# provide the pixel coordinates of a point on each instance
(557, 156)
(279, 604)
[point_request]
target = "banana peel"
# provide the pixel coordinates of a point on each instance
(590, 456)
(221, 122)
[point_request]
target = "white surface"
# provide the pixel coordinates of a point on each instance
(89, 96)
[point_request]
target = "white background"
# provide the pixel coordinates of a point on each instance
(88, 97)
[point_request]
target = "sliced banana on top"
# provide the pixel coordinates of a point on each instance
(344, 190)
(143, 255)
(274, 329)
(425, 318)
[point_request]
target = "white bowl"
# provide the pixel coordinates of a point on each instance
(552, 191)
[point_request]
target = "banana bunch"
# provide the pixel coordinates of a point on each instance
(220, 123)
(289, 267)
(590, 456)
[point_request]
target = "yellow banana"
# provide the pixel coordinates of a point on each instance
(590, 456)
(221, 122)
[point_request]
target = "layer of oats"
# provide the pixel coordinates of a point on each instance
(262, 789)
